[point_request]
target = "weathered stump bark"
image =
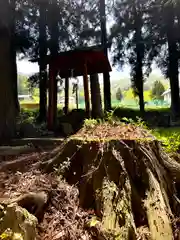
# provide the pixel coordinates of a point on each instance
(128, 183)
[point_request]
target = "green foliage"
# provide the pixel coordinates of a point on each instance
(90, 123)
(119, 95)
(23, 88)
(157, 90)
(139, 122)
(75, 24)
(169, 137)
(147, 96)
(129, 95)
(108, 118)
(29, 116)
(109, 115)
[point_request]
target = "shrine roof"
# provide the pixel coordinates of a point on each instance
(73, 61)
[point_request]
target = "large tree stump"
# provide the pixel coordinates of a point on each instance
(128, 183)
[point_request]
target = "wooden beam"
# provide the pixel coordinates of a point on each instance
(86, 90)
(66, 95)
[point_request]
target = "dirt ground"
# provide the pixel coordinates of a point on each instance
(63, 218)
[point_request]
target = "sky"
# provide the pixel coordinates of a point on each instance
(28, 68)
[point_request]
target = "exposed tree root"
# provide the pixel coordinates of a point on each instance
(129, 184)
(21, 163)
(34, 202)
(15, 150)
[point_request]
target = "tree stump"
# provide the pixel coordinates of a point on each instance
(128, 183)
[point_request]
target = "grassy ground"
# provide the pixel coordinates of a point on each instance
(167, 132)
(170, 137)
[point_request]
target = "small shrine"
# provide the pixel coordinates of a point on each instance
(74, 63)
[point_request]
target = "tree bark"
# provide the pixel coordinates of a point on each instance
(96, 97)
(140, 89)
(174, 78)
(42, 63)
(139, 61)
(53, 9)
(13, 55)
(77, 96)
(66, 110)
(7, 103)
(127, 189)
(53, 28)
(106, 76)
(173, 72)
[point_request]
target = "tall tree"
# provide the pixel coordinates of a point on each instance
(42, 60)
(157, 90)
(130, 41)
(165, 19)
(7, 103)
(119, 95)
(137, 65)
(53, 24)
(106, 76)
(173, 57)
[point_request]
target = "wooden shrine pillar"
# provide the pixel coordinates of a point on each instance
(86, 90)
(52, 106)
(66, 110)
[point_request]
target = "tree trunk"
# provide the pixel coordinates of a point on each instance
(139, 61)
(77, 95)
(42, 63)
(96, 97)
(106, 76)
(14, 80)
(174, 78)
(13, 56)
(140, 90)
(53, 28)
(7, 103)
(173, 72)
(53, 9)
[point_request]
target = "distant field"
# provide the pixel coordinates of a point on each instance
(130, 104)
(29, 105)
(35, 105)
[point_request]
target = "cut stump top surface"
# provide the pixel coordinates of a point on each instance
(113, 132)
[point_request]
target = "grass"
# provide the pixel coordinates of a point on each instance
(170, 137)
(167, 132)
